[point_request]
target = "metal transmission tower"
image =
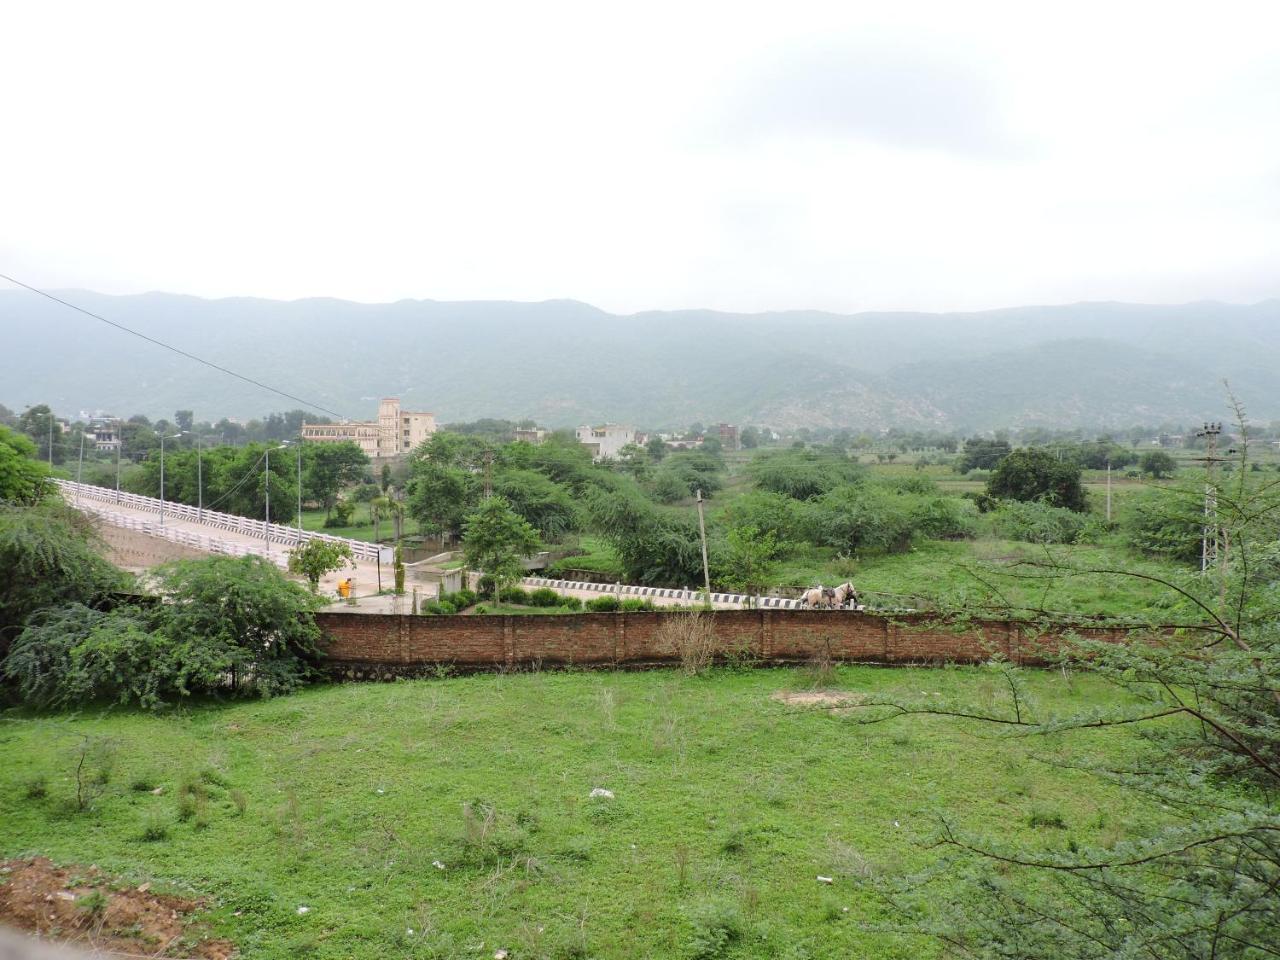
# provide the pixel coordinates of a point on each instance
(1210, 535)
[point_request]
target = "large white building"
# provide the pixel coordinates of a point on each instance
(393, 434)
(606, 440)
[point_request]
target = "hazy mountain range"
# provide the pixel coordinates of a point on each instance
(563, 362)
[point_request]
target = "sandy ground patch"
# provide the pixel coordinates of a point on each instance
(817, 698)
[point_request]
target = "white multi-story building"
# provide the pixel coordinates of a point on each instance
(394, 433)
(606, 440)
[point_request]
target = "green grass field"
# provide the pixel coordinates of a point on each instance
(452, 818)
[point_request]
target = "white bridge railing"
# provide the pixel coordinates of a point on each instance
(662, 593)
(97, 499)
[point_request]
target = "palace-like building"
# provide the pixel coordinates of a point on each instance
(394, 433)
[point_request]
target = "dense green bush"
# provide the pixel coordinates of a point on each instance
(543, 597)
(1168, 524)
(227, 624)
(605, 604)
(768, 513)
(49, 558)
(1032, 473)
(439, 608)
(636, 604)
(938, 517)
(571, 603)
(1036, 522)
(802, 474)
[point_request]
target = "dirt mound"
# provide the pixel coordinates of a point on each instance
(82, 906)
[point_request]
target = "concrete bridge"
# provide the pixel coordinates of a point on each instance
(190, 529)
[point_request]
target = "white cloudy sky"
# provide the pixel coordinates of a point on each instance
(842, 155)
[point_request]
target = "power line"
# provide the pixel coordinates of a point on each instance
(180, 352)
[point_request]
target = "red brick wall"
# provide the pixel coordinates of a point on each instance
(360, 644)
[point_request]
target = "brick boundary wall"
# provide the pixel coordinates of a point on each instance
(368, 646)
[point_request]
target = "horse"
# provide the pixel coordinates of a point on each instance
(814, 598)
(844, 595)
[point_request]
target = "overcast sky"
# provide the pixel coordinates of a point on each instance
(844, 156)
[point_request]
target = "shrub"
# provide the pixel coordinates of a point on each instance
(691, 637)
(543, 597)
(636, 604)
(517, 595)
(605, 604)
(37, 788)
(571, 603)
(155, 829)
(464, 598)
(717, 926)
(1036, 522)
(439, 608)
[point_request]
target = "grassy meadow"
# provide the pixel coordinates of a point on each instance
(453, 818)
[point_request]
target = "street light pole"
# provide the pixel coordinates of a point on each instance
(200, 477)
(80, 466)
(298, 540)
(266, 530)
(163, 438)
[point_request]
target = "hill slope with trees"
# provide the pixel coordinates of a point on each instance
(564, 362)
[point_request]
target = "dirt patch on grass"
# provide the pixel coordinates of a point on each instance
(81, 905)
(817, 698)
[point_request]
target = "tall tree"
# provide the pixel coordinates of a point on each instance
(327, 468)
(495, 540)
(1032, 473)
(42, 427)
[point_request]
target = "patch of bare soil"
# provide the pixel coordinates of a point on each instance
(816, 698)
(82, 906)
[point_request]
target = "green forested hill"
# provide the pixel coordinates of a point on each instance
(562, 362)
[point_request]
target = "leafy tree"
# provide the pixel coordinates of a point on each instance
(238, 622)
(50, 557)
(1035, 474)
(983, 454)
(1199, 883)
(653, 547)
(549, 507)
(1166, 523)
(748, 561)
(441, 496)
(496, 540)
(1157, 464)
(23, 479)
(749, 438)
(37, 422)
(314, 558)
(184, 420)
(657, 448)
(328, 467)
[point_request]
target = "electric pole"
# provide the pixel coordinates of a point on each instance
(1209, 532)
(702, 532)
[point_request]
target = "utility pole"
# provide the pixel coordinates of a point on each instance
(1209, 532)
(119, 451)
(1108, 489)
(298, 540)
(200, 477)
(163, 438)
(80, 465)
(702, 532)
